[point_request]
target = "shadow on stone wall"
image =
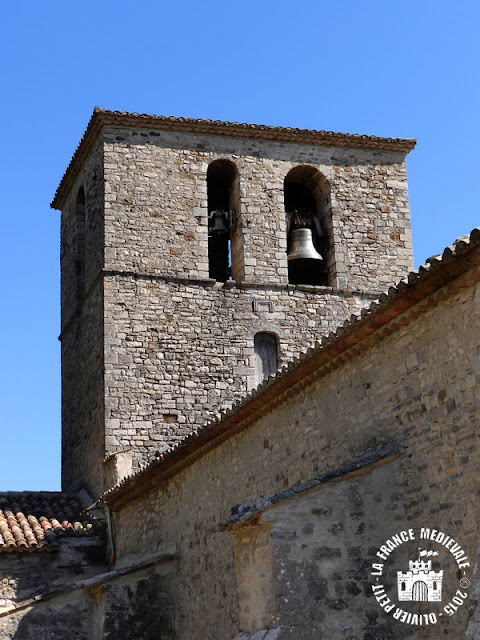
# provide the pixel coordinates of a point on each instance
(121, 610)
(59, 621)
(139, 608)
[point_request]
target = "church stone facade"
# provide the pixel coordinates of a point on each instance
(354, 387)
(159, 331)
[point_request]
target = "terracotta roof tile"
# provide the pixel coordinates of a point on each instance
(437, 272)
(103, 117)
(33, 520)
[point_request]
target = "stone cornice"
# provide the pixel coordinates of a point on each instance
(102, 117)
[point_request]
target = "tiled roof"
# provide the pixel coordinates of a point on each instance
(103, 117)
(448, 272)
(36, 521)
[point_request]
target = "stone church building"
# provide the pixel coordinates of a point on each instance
(266, 412)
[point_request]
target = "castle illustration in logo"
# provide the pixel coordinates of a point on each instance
(420, 584)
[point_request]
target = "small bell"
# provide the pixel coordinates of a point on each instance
(219, 226)
(301, 246)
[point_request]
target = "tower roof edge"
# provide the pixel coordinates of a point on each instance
(104, 117)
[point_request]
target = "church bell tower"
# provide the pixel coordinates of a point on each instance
(197, 258)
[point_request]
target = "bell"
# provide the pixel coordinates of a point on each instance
(301, 246)
(219, 226)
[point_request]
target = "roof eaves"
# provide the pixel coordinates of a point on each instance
(32, 521)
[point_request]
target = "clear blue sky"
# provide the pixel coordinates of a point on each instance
(404, 68)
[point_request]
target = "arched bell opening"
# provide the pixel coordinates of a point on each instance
(222, 193)
(80, 244)
(307, 208)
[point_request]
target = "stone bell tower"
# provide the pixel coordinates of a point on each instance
(178, 296)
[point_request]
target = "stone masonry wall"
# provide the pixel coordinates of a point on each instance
(417, 387)
(82, 336)
(27, 576)
(83, 404)
(322, 543)
(92, 181)
(176, 352)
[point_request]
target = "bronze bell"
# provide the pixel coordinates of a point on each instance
(301, 246)
(219, 225)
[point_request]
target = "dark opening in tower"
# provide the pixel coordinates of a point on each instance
(222, 193)
(266, 355)
(307, 208)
